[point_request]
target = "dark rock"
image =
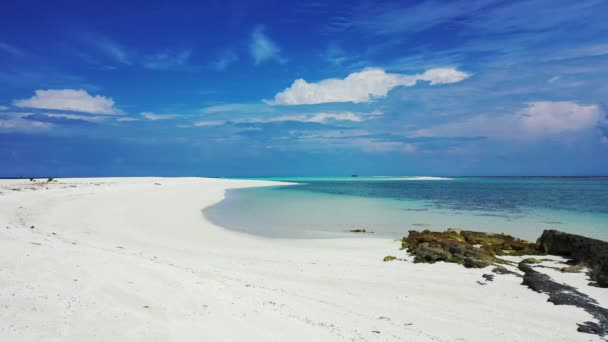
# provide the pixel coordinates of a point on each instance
(488, 277)
(561, 294)
(591, 252)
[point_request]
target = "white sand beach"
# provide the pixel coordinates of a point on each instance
(134, 259)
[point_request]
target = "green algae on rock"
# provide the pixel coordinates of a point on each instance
(389, 258)
(468, 248)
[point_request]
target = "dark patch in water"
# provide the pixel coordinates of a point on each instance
(553, 222)
(408, 209)
(421, 224)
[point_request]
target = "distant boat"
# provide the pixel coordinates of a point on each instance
(354, 175)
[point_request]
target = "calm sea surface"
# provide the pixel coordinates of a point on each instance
(390, 206)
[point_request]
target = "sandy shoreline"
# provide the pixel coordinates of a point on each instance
(133, 259)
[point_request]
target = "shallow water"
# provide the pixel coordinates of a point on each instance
(330, 207)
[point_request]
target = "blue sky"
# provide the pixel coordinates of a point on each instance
(271, 88)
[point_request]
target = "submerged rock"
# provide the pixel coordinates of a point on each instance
(468, 248)
(590, 252)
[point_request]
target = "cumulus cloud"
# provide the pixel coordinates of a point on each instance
(156, 117)
(264, 49)
(361, 86)
(69, 99)
(538, 120)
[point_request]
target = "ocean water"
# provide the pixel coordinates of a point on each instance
(390, 206)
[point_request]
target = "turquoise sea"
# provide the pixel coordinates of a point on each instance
(390, 206)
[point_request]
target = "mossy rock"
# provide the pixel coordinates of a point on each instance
(531, 261)
(468, 248)
(389, 258)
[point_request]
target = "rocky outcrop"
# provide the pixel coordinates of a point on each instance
(591, 252)
(468, 248)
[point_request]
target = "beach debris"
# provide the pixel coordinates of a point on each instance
(32, 227)
(481, 283)
(562, 294)
(503, 270)
(358, 230)
(573, 269)
(146, 306)
(375, 331)
(488, 277)
(468, 248)
(583, 250)
(389, 258)
(384, 318)
(36, 243)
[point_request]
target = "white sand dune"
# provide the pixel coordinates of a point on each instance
(130, 260)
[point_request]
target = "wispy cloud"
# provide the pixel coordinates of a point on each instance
(363, 86)
(2, 108)
(16, 122)
(110, 48)
(127, 119)
(319, 117)
(156, 117)
(399, 17)
(77, 100)
(224, 60)
(263, 49)
(237, 107)
(11, 50)
(167, 59)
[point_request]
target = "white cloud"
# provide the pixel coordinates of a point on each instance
(155, 117)
(542, 118)
(20, 124)
(4, 108)
(70, 99)
(127, 119)
(316, 117)
(361, 86)
(263, 49)
(76, 117)
(236, 107)
(604, 140)
(209, 123)
(167, 59)
(538, 120)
